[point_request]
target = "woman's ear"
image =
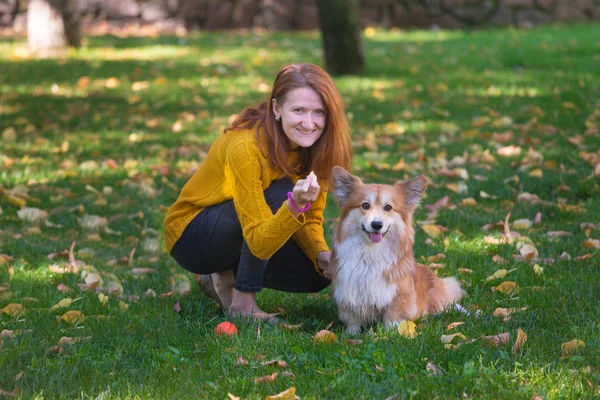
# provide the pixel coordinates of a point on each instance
(276, 110)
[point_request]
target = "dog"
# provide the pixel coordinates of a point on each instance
(374, 274)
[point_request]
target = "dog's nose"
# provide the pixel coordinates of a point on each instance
(377, 225)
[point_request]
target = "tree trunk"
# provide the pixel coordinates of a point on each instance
(340, 30)
(52, 26)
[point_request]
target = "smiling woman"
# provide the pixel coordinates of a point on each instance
(252, 214)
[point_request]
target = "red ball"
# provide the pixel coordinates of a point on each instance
(225, 328)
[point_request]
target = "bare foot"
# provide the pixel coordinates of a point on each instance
(244, 305)
(223, 284)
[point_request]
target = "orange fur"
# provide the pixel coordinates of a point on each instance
(375, 276)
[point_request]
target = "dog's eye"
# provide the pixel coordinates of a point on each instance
(387, 207)
(366, 206)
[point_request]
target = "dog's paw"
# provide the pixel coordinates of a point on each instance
(353, 329)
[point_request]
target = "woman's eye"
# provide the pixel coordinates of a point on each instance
(387, 207)
(320, 112)
(366, 206)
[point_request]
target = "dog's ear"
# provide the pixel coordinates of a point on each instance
(413, 191)
(343, 182)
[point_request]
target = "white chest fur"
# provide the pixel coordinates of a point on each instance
(360, 285)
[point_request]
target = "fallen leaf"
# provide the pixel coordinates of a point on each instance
(290, 327)
(267, 378)
(508, 287)
(571, 347)
(408, 329)
(64, 303)
(432, 231)
(505, 312)
(14, 309)
(449, 338)
(538, 270)
(554, 234)
(433, 368)
(73, 316)
(280, 363)
(289, 394)
(592, 243)
(529, 249)
(103, 299)
(325, 336)
(453, 325)
(241, 361)
(521, 339)
(496, 340)
(501, 273)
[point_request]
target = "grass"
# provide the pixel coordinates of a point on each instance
(113, 130)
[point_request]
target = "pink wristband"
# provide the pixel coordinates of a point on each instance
(300, 210)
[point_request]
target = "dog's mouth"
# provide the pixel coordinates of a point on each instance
(374, 237)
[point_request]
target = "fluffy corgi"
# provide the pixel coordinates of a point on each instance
(374, 274)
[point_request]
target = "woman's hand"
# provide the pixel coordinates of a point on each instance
(306, 190)
(323, 259)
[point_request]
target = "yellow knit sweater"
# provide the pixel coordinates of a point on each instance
(235, 168)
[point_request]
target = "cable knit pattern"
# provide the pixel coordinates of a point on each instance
(236, 169)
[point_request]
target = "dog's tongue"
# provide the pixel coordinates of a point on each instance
(375, 237)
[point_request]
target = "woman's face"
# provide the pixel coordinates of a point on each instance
(302, 116)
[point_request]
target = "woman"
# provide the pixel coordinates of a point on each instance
(251, 216)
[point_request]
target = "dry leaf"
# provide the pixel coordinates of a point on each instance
(14, 309)
(501, 273)
(505, 312)
(267, 378)
(325, 336)
(521, 224)
(289, 394)
(571, 347)
(592, 243)
(453, 325)
(241, 361)
(32, 215)
(496, 340)
(521, 339)
(449, 338)
(408, 329)
(554, 234)
(280, 363)
(508, 287)
(529, 249)
(433, 368)
(64, 303)
(538, 270)
(432, 231)
(73, 316)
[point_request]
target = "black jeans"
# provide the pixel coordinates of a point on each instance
(213, 242)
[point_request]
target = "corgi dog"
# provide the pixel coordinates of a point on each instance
(374, 274)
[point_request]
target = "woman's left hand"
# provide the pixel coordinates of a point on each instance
(323, 259)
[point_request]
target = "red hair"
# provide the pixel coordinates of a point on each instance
(333, 147)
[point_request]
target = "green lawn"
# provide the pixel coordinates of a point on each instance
(98, 144)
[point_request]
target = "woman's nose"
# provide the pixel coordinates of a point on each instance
(308, 120)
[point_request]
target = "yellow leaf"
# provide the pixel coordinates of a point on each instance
(449, 338)
(289, 394)
(64, 303)
(123, 306)
(571, 347)
(93, 280)
(521, 339)
(501, 273)
(14, 309)
(521, 224)
(290, 327)
(103, 299)
(536, 173)
(432, 231)
(469, 201)
(325, 336)
(538, 270)
(408, 329)
(508, 287)
(267, 378)
(370, 31)
(73, 316)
